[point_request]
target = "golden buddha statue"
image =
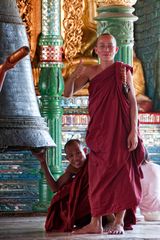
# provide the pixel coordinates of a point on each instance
(144, 103)
(86, 54)
(87, 34)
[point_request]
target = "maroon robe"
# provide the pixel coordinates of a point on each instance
(70, 206)
(114, 172)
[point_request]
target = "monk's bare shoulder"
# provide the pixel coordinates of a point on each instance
(92, 71)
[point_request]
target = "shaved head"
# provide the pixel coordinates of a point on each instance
(109, 36)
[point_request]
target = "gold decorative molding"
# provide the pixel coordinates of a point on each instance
(25, 9)
(72, 23)
(129, 3)
(30, 12)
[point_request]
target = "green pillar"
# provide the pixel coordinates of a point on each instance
(118, 20)
(51, 86)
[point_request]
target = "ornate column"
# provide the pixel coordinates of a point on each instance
(51, 87)
(115, 17)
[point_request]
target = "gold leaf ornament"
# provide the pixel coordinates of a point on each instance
(73, 11)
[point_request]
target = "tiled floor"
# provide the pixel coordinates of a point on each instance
(31, 228)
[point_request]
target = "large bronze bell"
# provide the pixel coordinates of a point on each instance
(21, 126)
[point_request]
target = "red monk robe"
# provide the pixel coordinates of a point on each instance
(114, 172)
(70, 206)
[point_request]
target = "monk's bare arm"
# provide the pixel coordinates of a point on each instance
(76, 80)
(54, 185)
(132, 138)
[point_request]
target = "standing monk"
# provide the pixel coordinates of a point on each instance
(116, 150)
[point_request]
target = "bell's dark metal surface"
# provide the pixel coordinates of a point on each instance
(21, 125)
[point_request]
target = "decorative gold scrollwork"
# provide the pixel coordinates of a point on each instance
(30, 12)
(25, 8)
(72, 23)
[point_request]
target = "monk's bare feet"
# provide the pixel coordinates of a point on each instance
(107, 227)
(90, 228)
(115, 229)
(110, 221)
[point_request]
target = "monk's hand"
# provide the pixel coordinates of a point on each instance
(40, 154)
(80, 69)
(132, 140)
